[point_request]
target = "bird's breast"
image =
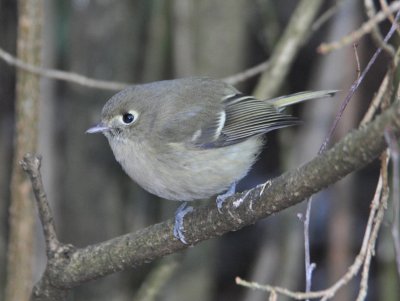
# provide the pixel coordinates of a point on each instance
(177, 172)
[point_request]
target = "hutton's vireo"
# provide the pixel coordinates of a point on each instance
(191, 138)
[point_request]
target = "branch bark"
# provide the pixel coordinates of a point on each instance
(71, 267)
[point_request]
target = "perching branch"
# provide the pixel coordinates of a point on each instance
(72, 267)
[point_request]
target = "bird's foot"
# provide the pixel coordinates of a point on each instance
(222, 197)
(179, 215)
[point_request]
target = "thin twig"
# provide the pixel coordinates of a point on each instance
(246, 74)
(365, 28)
(31, 165)
(309, 266)
(379, 205)
(376, 101)
(329, 13)
(273, 296)
(157, 279)
(110, 85)
(355, 46)
(280, 290)
(360, 259)
(61, 75)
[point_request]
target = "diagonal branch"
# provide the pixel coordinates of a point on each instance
(72, 267)
(295, 35)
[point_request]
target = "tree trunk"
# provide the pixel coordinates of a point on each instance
(20, 249)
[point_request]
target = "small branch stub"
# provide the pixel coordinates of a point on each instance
(31, 164)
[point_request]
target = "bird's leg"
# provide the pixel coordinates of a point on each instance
(222, 197)
(179, 215)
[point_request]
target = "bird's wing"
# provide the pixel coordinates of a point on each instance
(210, 114)
(241, 117)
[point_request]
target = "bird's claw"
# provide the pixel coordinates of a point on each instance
(179, 215)
(222, 197)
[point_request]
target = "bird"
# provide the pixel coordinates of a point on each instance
(191, 138)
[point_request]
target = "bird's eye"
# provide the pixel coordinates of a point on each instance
(128, 118)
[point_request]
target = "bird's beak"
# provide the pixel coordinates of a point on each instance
(98, 128)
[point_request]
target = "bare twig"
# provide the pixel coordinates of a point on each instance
(157, 278)
(386, 9)
(376, 101)
(109, 85)
(280, 290)
(246, 74)
(329, 13)
(378, 205)
(365, 28)
(309, 266)
(375, 32)
(358, 70)
(61, 75)
(31, 165)
(273, 296)
(394, 154)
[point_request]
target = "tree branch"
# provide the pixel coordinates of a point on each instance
(61, 75)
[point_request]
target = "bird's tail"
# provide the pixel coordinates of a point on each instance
(284, 101)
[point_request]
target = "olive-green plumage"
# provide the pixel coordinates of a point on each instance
(190, 138)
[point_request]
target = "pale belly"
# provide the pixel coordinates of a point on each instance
(187, 174)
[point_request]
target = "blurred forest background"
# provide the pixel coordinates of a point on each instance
(139, 41)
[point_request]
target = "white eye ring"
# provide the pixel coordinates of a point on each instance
(129, 117)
